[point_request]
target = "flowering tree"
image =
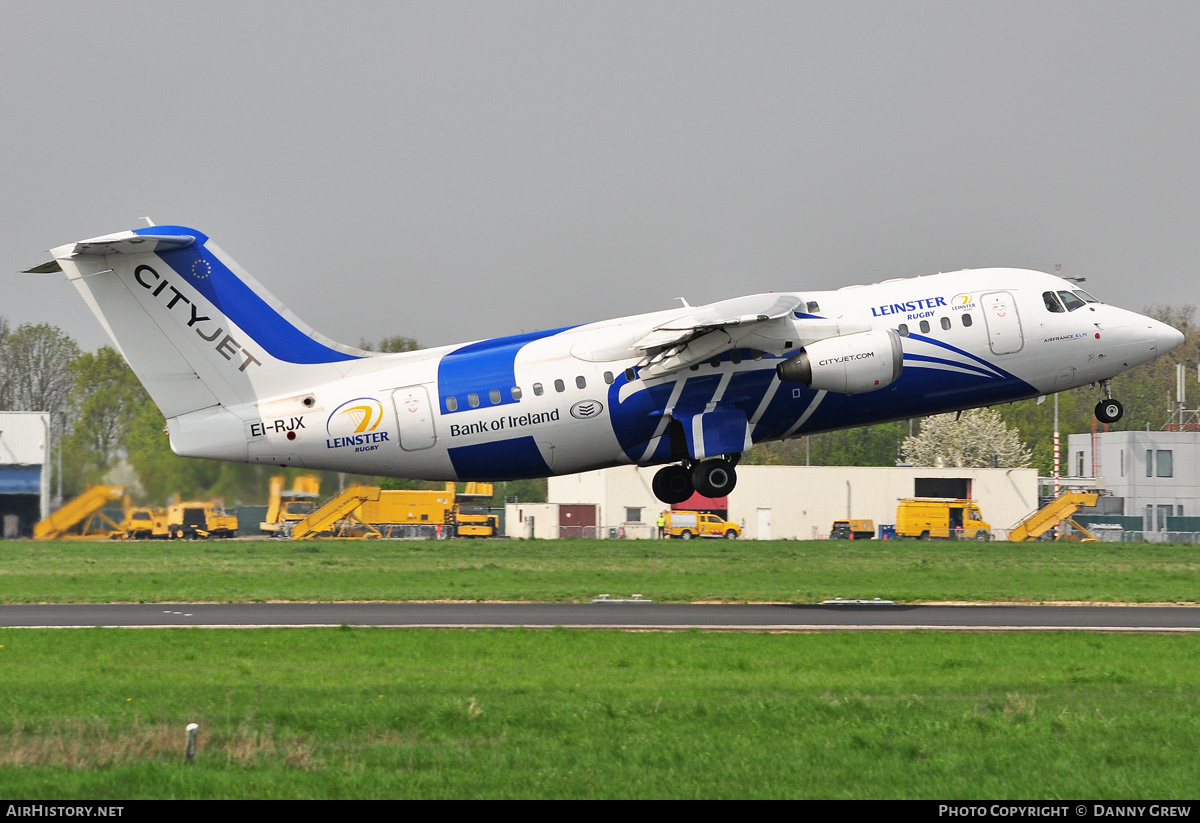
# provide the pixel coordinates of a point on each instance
(979, 439)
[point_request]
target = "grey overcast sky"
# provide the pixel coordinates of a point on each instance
(456, 170)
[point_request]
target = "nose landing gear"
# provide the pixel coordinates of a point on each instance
(1109, 410)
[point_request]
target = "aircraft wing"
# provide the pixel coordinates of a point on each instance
(706, 330)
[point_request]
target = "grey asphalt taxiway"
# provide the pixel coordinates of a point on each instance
(611, 615)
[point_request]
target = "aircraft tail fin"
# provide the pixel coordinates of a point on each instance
(196, 329)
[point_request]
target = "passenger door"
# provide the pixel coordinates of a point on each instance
(1003, 323)
(414, 417)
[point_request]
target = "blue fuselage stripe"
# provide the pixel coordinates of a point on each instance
(483, 367)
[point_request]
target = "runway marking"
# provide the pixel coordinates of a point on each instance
(638, 627)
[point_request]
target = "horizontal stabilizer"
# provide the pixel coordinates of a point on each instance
(127, 242)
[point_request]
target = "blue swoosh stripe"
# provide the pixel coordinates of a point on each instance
(934, 341)
(955, 363)
(197, 266)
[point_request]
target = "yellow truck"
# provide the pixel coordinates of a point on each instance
(941, 518)
(198, 519)
(145, 523)
(475, 520)
(287, 508)
(686, 525)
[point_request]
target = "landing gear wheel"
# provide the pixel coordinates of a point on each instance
(1109, 411)
(714, 478)
(672, 484)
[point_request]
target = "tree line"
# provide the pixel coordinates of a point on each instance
(102, 420)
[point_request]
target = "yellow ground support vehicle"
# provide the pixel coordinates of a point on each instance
(286, 508)
(686, 525)
(474, 520)
(372, 512)
(82, 517)
(1060, 510)
(852, 530)
(198, 519)
(941, 518)
(340, 516)
(408, 507)
(145, 523)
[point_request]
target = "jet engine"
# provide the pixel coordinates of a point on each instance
(851, 364)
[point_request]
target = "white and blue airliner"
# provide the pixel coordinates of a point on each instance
(239, 377)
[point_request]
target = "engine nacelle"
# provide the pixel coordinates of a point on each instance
(851, 364)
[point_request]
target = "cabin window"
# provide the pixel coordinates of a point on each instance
(631, 373)
(903, 329)
(494, 396)
(580, 382)
(560, 386)
(516, 392)
(473, 401)
(813, 307)
(924, 327)
(946, 323)
(608, 377)
(1071, 301)
(537, 389)
(1051, 302)
(451, 404)
(967, 321)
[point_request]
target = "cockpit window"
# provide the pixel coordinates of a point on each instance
(1071, 301)
(1052, 303)
(1087, 298)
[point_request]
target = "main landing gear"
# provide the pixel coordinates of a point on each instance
(1109, 410)
(711, 478)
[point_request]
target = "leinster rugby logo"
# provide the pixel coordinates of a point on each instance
(586, 409)
(354, 423)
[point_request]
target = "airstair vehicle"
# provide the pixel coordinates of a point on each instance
(338, 516)
(1059, 510)
(82, 517)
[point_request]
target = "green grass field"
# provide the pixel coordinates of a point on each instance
(372, 713)
(577, 570)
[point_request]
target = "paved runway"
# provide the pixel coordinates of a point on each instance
(610, 615)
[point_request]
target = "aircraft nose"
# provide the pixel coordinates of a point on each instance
(1166, 338)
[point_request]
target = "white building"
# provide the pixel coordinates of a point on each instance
(1155, 473)
(24, 471)
(791, 502)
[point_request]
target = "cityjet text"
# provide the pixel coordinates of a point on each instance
(225, 345)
